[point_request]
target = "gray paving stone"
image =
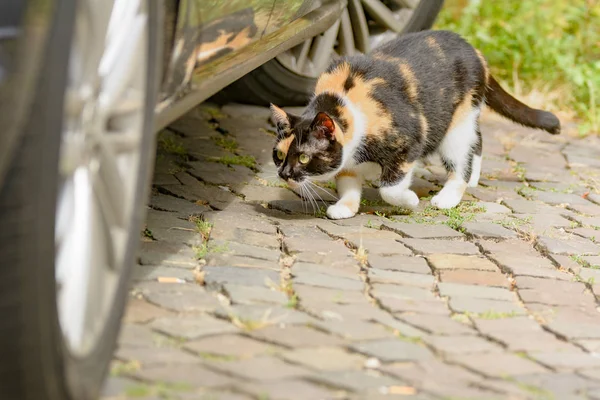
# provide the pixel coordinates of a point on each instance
(297, 336)
(561, 385)
(152, 273)
(327, 281)
(476, 291)
(438, 324)
(220, 174)
(253, 193)
(403, 292)
(247, 237)
(533, 342)
(421, 231)
(194, 376)
(227, 260)
(459, 345)
(455, 261)
(560, 198)
(514, 326)
(498, 364)
(179, 297)
(156, 356)
(393, 350)
(400, 277)
(264, 314)
(399, 263)
(488, 230)
(523, 206)
(242, 294)
(229, 345)
(432, 246)
(240, 276)
(481, 306)
(575, 324)
(570, 245)
(573, 299)
(288, 389)
(346, 268)
(328, 295)
(223, 248)
(431, 306)
(133, 335)
(357, 381)
(481, 278)
(140, 311)
(398, 327)
(355, 329)
(192, 327)
(264, 368)
(200, 193)
(182, 208)
(379, 246)
(325, 358)
(167, 254)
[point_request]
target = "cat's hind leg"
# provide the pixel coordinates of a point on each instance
(349, 188)
(477, 158)
(396, 191)
(457, 151)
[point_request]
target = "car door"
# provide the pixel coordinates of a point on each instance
(206, 30)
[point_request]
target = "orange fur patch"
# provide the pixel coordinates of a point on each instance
(284, 144)
(333, 81)
(379, 120)
(462, 111)
(435, 46)
(346, 173)
(406, 167)
(411, 81)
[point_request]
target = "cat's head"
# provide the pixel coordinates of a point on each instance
(306, 148)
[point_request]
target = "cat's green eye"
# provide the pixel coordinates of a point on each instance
(304, 159)
(280, 155)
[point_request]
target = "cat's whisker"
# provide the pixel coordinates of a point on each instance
(325, 191)
(316, 193)
(311, 198)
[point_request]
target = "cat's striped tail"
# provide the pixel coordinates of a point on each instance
(507, 106)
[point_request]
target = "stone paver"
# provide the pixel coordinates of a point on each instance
(245, 291)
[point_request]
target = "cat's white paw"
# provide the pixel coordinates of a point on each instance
(339, 211)
(407, 199)
(446, 199)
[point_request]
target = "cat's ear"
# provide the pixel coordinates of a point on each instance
(323, 126)
(280, 118)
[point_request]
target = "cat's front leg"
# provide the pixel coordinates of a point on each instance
(395, 187)
(349, 188)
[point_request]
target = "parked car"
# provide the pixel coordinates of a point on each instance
(84, 87)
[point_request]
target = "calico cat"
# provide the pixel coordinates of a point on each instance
(381, 113)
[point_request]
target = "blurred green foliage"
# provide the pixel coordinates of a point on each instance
(544, 45)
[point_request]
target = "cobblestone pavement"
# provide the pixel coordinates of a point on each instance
(243, 291)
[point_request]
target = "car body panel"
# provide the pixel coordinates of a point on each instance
(218, 42)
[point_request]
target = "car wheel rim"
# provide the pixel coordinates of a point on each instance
(99, 164)
(364, 24)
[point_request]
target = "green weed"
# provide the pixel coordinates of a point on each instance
(542, 47)
(225, 142)
(168, 142)
(246, 161)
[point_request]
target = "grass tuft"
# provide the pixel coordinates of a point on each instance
(544, 51)
(246, 161)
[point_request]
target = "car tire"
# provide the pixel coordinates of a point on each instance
(35, 362)
(274, 83)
